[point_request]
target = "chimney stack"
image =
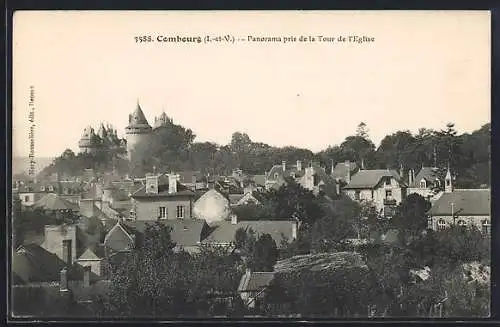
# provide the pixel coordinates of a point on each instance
(299, 165)
(410, 176)
(234, 219)
(66, 247)
(151, 184)
(283, 164)
(86, 276)
(172, 183)
(337, 188)
(63, 283)
(294, 230)
(348, 172)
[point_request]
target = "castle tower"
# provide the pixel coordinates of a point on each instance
(138, 129)
(161, 120)
(88, 141)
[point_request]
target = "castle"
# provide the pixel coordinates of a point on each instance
(137, 131)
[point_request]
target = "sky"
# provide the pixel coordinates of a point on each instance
(422, 69)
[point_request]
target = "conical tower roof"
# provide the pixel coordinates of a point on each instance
(137, 118)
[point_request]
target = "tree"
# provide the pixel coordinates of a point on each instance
(411, 217)
(264, 254)
(362, 130)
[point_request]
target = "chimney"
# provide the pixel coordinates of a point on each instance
(234, 219)
(152, 184)
(362, 163)
(299, 165)
(294, 230)
(172, 183)
(348, 172)
(337, 188)
(63, 283)
(66, 256)
(283, 164)
(410, 176)
(401, 171)
(86, 276)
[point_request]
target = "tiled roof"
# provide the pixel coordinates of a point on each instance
(234, 198)
(185, 232)
(278, 170)
(259, 179)
(163, 190)
(428, 173)
(52, 201)
(188, 176)
(465, 202)
(340, 170)
(95, 252)
(369, 179)
(225, 231)
(320, 262)
(32, 263)
(255, 281)
(137, 118)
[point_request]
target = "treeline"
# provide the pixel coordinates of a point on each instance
(172, 147)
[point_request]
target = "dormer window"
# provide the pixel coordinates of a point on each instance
(292, 175)
(51, 188)
(42, 188)
(387, 181)
(275, 175)
(422, 184)
(461, 223)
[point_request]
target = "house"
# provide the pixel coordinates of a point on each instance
(464, 207)
(236, 200)
(316, 180)
(223, 232)
(126, 235)
(253, 286)
(279, 173)
(212, 207)
(382, 187)
(313, 177)
(427, 183)
(33, 191)
(194, 180)
(162, 198)
(342, 172)
(52, 202)
(43, 285)
(72, 245)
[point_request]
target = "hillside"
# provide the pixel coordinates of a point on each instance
(21, 165)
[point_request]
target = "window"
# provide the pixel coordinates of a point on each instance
(27, 198)
(372, 194)
(357, 194)
(447, 182)
(42, 188)
(180, 211)
(388, 193)
(441, 224)
(422, 184)
(461, 223)
(51, 188)
(162, 214)
(486, 227)
(275, 175)
(429, 223)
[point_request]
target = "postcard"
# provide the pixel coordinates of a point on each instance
(240, 164)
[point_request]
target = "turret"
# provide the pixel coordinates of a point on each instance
(138, 129)
(448, 185)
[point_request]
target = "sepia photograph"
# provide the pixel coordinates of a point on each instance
(250, 164)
